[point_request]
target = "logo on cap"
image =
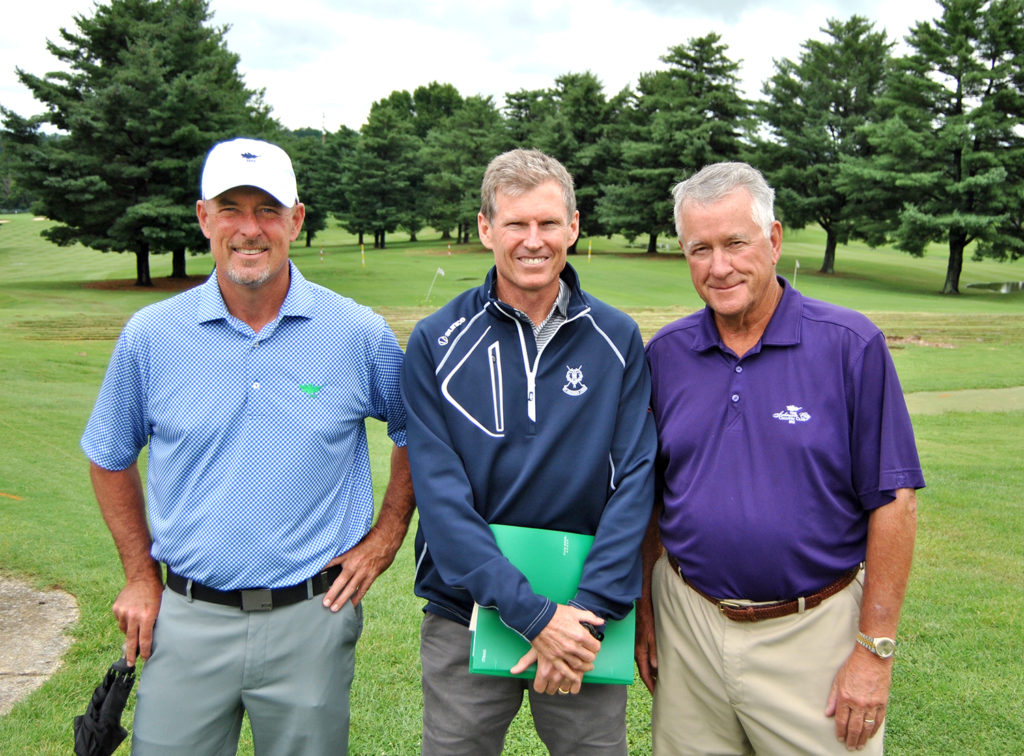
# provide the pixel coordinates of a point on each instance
(249, 156)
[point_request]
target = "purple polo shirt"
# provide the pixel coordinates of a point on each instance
(769, 465)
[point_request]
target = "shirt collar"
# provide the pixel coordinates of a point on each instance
(298, 302)
(562, 300)
(783, 328)
(568, 285)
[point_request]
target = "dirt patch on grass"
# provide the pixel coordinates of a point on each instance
(966, 400)
(159, 284)
(68, 328)
(895, 342)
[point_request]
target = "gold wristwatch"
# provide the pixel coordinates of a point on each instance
(883, 648)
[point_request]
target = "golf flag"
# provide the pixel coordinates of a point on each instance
(438, 272)
(795, 269)
(362, 254)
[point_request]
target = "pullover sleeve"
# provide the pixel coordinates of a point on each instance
(458, 538)
(611, 574)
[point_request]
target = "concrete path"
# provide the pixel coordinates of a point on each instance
(33, 626)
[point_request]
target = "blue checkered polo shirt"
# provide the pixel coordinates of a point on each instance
(259, 471)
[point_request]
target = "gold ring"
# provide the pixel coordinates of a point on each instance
(563, 692)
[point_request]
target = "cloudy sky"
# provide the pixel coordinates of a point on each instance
(323, 62)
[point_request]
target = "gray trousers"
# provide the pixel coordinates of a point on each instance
(466, 714)
(290, 668)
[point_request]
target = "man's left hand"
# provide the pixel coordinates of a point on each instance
(360, 566)
(860, 693)
(563, 650)
(364, 562)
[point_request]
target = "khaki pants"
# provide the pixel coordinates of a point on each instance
(728, 687)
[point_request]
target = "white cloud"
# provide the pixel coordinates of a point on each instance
(325, 63)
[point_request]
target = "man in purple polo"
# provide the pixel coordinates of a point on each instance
(786, 504)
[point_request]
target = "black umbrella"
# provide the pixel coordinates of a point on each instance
(98, 732)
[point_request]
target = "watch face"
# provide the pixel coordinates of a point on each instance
(885, 647)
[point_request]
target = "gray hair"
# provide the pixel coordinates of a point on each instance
(518, 171)
(715, 182)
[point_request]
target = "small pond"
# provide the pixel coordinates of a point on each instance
(999, 287)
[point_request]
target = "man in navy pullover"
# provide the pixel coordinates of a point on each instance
(528, 405)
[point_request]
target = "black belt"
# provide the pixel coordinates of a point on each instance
(746, 613)
(255, 599)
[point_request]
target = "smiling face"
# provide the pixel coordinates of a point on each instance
(731, 262)
(529, 235)
(250, 233)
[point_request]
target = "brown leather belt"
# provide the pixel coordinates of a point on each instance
(739, 612)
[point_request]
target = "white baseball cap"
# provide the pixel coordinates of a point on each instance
(249, 162)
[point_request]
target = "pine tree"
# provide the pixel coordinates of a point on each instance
(681, 119)
(813, 111)
(151, 87)
(943, 156)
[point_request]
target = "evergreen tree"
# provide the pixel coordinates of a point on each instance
(525, 113)
(432, 104)
(382, 183)
(315, 172)
(567, 122)
(340, 150)
(457, 152)
(943, 156)
(681, 119)
(813, 111)
(151, 87)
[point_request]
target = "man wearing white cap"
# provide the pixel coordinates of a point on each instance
(252, 392)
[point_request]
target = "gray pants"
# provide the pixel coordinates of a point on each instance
(465, 714)
(290, 669)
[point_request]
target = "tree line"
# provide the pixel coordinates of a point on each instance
(905, 150)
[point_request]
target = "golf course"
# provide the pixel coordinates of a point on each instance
(958, 683)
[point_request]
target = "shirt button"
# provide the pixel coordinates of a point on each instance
(256, 385)
(739, 369)
(735, 397)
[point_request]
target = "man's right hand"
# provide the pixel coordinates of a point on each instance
(563, 650)
(136, 608)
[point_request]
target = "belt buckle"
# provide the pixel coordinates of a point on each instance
(725, 605)
(257, 600)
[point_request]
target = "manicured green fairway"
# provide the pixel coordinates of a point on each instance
(958, 681)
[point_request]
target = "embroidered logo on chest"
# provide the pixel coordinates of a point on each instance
(442, 340)
(574, 381)
(793, 415)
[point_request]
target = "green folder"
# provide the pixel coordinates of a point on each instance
(552, 562)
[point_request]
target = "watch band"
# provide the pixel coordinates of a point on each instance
(881, 647)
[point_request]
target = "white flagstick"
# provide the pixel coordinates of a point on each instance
(439, 271)
(795, 269)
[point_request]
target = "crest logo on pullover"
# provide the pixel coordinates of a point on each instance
(574, 381)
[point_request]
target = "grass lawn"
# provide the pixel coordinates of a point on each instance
(959, 677)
